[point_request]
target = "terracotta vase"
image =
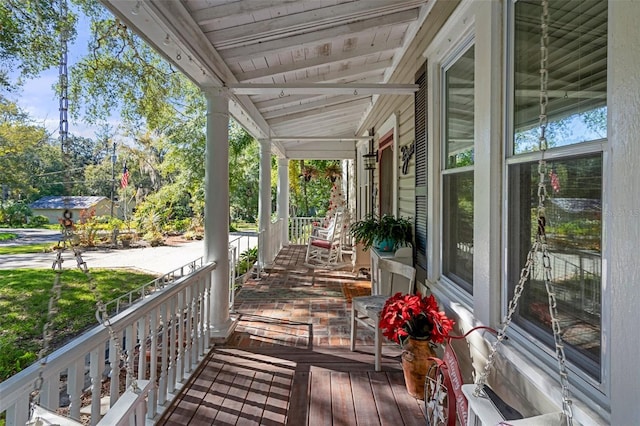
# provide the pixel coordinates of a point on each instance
(415, 364)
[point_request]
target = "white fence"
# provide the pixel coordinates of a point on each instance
(165, 339)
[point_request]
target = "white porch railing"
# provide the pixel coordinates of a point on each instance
(269, 243)
(165, 337)
(300, 229)
(115, 306)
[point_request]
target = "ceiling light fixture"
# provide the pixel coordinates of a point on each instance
(166, 41)
(136, 8)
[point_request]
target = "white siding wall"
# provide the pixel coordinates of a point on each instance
(406, 136)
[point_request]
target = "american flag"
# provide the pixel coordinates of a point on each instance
(124, 180)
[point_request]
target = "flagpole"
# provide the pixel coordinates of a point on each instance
(124, 195)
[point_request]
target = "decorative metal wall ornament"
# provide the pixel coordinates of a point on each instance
(407, 153)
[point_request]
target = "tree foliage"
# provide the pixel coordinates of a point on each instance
(19, 141)
(163, 117)
(29, 37)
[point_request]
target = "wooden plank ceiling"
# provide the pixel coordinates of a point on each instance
(303, 73)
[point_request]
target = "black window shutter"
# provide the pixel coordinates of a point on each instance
(420, 225)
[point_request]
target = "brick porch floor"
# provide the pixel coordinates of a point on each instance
(288, 362)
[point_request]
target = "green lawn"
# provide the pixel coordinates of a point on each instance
(24, 297)
(26, 249)
(6, 236)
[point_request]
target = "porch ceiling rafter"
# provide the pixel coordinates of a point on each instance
(322, 60)
(321, 138)
(323, 88)
(339, 124)
(274, 101)
(345, 108)
(222, 11)
(350, 73)
(338, 101)
(315, 38)
(303, 22)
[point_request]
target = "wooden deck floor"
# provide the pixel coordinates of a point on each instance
(289, 363)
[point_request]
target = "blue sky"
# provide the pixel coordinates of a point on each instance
(39, 99)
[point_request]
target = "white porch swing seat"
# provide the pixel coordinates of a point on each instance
(324, 249)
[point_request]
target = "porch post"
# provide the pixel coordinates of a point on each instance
(264, 200)
(283, 198)
(216, 211)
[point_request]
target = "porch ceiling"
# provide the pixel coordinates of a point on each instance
(304, 73)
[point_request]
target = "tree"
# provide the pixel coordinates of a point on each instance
(29, 41)
(19, 142)
(310, 197)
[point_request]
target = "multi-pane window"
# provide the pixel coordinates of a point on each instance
(457, 173)
(577, 113)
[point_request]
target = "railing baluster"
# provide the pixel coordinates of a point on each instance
(152, 400)
(75, 382)
(142, 344)
(114, 363)
(130, 342)
(164, 350)
(96, 367)
(186, 331)
(171, 340)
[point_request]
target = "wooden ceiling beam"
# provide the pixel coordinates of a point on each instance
(268, 102)
(351, 73)
(318, 61)
(320, 138)
(237, 54)
(323, 89)
(307, 21)
(325, 102)
(211, 14)
(346, 108)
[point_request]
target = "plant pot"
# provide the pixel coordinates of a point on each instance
(415, 364)
(385, 245)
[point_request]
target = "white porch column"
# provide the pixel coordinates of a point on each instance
(283, 198)
(216, 211)
(264, 199)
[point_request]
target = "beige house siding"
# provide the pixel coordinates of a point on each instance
(406, 136)
(103, 208)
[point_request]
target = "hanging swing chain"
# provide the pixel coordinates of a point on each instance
(539, 246)
(68, 237)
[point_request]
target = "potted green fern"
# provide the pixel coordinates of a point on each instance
(386, 233)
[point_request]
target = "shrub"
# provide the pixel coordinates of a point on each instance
(15, 213)
(38, 221)
(246, 261)
(87, 227)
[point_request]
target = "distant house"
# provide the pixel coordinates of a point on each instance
(52, 207)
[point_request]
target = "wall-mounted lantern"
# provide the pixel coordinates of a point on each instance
(369, 160)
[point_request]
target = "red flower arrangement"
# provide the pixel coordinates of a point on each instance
(411, 315)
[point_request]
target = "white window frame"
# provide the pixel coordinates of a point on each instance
(537, 353)
(463, 47)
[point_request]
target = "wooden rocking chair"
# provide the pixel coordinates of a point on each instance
(325, 248)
